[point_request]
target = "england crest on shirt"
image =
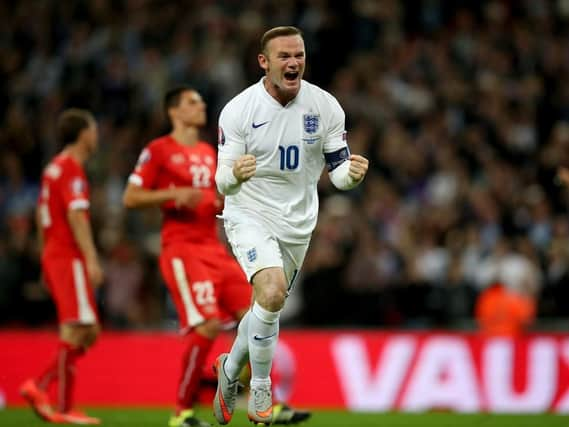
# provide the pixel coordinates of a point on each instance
(311, 123)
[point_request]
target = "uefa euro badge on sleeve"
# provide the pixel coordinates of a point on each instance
(220, 137)
(310, 122)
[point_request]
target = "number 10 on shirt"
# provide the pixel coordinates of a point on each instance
(289, 157)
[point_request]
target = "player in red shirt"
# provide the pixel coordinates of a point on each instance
(176, 172)
(70, 264)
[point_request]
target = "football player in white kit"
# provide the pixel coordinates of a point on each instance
(275, 138)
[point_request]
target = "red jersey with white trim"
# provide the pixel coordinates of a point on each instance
(64, 186)
(166, 163)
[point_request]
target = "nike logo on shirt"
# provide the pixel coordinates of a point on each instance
(259, 338)
(258, 125)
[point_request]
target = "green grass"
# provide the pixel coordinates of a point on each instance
(22, 417)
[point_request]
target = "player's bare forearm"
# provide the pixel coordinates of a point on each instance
(180, 197)
(135, 196)
(81, 229)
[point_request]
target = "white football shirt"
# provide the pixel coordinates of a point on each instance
(289, 143)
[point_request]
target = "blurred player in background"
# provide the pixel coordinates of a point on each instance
(70, 265)
(274, 140)
(176, 172)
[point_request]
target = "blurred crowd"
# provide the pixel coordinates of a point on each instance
(462, 108)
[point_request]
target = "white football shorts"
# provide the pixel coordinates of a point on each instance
(255, 248)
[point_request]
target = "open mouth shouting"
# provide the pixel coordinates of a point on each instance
(291, 76)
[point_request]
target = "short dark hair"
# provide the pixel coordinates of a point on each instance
(172, 97)
(71, 122)
(273, 33)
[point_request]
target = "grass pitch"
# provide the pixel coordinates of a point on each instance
(139, 417)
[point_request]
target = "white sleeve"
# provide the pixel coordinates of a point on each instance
(340, 177)
(336, 151)
(231, 146)
(336, 134)
(226, 182)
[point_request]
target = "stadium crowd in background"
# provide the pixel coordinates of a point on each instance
(461, 106)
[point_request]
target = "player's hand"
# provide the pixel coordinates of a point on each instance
(563, 176)
(218, 203)
(95, 272)
(245, 167)
(186, 197)
(358, 167)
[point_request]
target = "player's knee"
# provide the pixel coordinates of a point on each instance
(272, 297)
(270, 289)
(90, 337)
(210, 328)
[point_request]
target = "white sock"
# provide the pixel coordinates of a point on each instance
(263, 337)
(239, 351)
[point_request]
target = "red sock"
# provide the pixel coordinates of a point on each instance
(193, 359)
(49, 375)
(66, 358)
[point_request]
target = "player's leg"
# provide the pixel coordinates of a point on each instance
(293, 258)
(73, 296)
(239, 354)
(192, 289)
(78, 332)
(235, 295)
(270, 288)
(258, 253)
(235, 298)
(198, 342)
(75, 340)
(34, 390)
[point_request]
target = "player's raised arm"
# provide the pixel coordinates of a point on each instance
(234, 166)
(346, 170)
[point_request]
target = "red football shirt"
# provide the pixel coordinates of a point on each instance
(165, 163)
(63, 186)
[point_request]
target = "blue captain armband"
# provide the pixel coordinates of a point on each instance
(336, 158)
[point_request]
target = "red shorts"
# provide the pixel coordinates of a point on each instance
(67, 281)
(205, 282)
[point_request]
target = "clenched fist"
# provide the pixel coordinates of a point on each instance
(245, 167)
(358, 167)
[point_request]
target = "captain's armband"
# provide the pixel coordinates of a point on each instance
(336, 158)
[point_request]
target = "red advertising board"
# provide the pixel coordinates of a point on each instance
(360, 370)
